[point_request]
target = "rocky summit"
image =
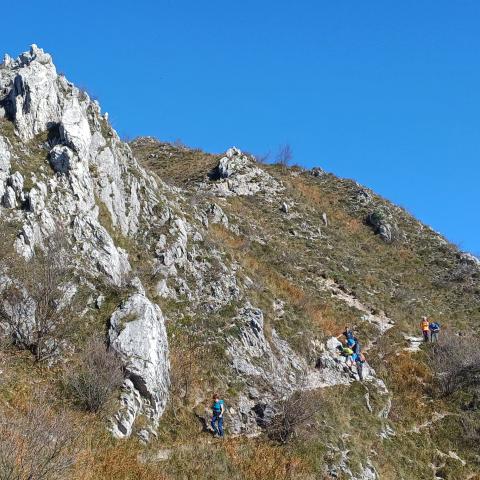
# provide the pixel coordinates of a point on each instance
(137, 279)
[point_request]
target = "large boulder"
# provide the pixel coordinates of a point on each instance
(137, 332)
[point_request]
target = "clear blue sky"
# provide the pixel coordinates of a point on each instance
(385, 92)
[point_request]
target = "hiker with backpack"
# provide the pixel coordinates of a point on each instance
(425, 326)
(218, 409)
(358, 358)
(434, 328)
(354, 344)
(352, 353)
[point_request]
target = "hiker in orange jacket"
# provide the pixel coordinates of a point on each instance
(424, 325)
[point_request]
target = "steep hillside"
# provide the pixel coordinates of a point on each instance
(185, 273)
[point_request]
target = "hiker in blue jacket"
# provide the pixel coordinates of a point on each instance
(353, 343)
(347, 333)
(434, 328)
(218, 409)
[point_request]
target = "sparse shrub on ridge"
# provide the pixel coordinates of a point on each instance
(293, 414)
(95, 377)
(455, 361)
(284, 156)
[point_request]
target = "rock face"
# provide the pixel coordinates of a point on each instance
(90, 161)
(33, 99)
(4, 165)
(83, 181)
(469, 259)
(137, 333)
(253, 355)
(280, 371)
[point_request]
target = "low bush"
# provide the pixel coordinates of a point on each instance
(92, 380)
(38, 301)
(293, 414)
(455, 361)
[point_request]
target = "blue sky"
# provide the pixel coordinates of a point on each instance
(385, 92)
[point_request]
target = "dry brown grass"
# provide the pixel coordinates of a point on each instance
(324, 318)
(174, 164)
(227, 238)
(264, 461)
(408, 376)
(36, 441)
(274, 280)
(103, 459)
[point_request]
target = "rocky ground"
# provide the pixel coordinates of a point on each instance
(219, 273)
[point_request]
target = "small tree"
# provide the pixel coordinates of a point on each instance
(92, 380)
(284, 156)
(37, 301)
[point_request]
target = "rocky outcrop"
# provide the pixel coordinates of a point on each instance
(253, 355)
(237, 174)
(317, 172)
(87, 183)
(216, 215)
(469, 259)
(381, 222)
(137, 332)
(273, 371)
(33, 100)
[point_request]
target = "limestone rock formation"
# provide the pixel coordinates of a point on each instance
(137, 333)
(239, 175)
(95, 192)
